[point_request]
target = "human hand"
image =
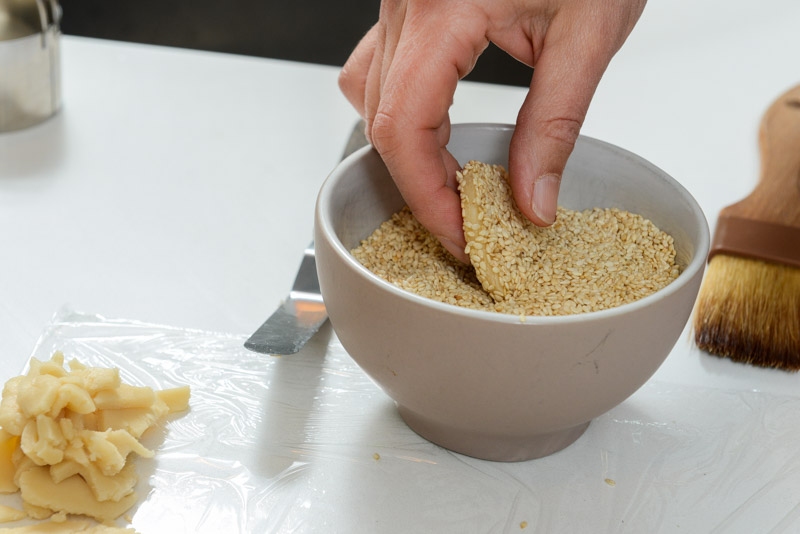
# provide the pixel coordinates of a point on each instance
(403, 74)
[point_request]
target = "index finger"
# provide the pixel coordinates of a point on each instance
(411, 126)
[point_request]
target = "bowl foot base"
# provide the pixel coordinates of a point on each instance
(492, 447)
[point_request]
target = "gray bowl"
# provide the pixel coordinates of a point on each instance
(485, 384)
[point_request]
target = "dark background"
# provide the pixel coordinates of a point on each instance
(315, 31)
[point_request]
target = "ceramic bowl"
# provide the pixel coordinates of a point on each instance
(489, 385)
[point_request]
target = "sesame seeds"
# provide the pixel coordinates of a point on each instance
(404, 253)
(587, 261)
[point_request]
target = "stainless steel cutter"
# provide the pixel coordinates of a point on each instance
(303, 312)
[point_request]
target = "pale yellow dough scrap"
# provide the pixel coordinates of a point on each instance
(69, 526)
(104, 487)
(67, 436)
(72, 495)
(9, 514)
(38, 395)
(39, 512)
(74, 398)
(93, 379)
(12, 420)
(8, 444)
(176, 399)
(135, 421)
(124, 396)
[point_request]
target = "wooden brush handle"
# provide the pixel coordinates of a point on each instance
(776, 198)
(766, 224)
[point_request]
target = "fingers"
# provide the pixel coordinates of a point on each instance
(411, 130)
(575, 53)
(353, 76)
(401, 78)
(410, 127)
(548, 126)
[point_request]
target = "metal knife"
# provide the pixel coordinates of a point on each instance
(302, 313)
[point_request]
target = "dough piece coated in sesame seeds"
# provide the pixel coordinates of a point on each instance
(586, 261)
(499, 244)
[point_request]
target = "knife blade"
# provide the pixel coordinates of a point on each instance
(302, 312)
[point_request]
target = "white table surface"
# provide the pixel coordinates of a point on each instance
(177, 187)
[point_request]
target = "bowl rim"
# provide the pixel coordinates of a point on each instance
(697, 264)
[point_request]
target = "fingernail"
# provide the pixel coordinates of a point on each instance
(545, 197)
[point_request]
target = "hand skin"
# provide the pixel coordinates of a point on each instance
(403, 74)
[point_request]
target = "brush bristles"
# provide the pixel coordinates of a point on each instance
(749, 311)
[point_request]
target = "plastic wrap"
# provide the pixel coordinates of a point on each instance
(307, 443)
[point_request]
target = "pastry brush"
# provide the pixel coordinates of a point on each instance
(748, 308)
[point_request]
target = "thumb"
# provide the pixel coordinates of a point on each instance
(548, 125)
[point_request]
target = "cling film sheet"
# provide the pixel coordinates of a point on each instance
(308, 443)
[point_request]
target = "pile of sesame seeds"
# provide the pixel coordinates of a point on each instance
(587, 261)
